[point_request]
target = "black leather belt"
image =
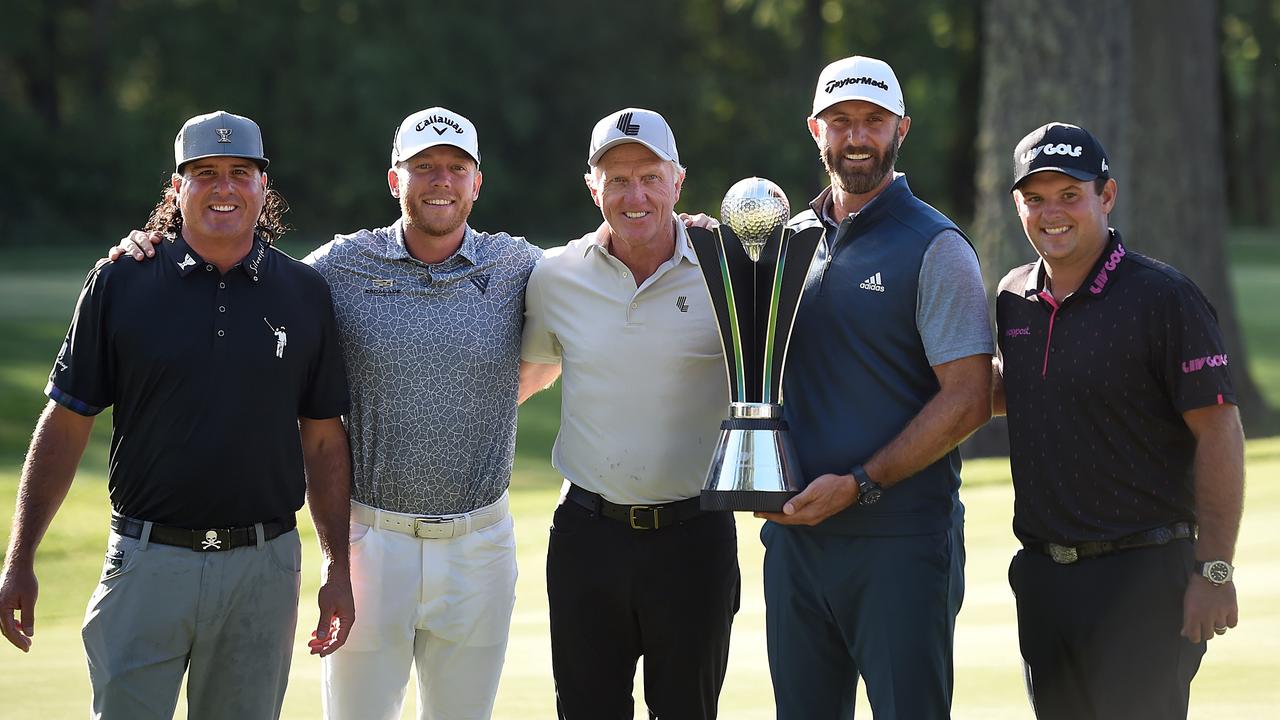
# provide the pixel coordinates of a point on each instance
(207, 540)
(637, 517)
(1067, 554)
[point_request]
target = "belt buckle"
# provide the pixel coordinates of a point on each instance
(1062, 554)
(433, 528)
(653, 516)
(212, 540)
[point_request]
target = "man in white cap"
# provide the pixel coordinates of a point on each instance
(214, 419)
(429, 313)
(634, 567)
(887, 371)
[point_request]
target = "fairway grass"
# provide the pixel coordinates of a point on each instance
(1235, 681)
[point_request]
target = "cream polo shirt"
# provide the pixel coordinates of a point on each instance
(643, 385)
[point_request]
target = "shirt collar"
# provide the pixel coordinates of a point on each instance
(684, 248)
(188, 261)
(1099, 280)
(824, 206)
(469, 250)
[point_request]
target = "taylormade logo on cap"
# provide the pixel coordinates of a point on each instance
(633, 125)
(1059, 147)
(431, 127)
(859, 78)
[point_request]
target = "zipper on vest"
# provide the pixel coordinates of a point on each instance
(1048, 297)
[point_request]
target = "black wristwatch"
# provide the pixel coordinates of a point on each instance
(1218, 572)
(869, 491)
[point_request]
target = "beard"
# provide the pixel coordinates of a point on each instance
(861, 182)
(415, 216)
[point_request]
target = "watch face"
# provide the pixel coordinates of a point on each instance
(1218, 572)
(869, 495)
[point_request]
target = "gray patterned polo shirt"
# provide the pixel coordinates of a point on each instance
(433, 357)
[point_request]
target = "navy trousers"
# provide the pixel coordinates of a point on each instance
(1099, 637)
(883, 608)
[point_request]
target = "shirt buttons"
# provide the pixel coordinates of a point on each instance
(222, 286)
(221, 333)
(208, 268)
(222, 308)
(635, 305)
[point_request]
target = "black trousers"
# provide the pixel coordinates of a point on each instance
(1099, 637)
(617, 594)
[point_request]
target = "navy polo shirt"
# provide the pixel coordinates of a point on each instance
(1096, 386)
(208, 374)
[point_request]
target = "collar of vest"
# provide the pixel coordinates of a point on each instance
(894, 194)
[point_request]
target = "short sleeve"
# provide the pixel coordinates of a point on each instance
(327, 395)
(1196, 363)
(82, 376)
(951, 304)
(539, 343)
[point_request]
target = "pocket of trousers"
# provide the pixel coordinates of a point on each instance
(118, 559)
(286, 552)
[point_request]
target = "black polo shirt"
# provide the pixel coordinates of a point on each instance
(1096, 386)
(208, 374)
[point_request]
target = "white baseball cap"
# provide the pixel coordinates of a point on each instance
(859, 78)
(431, 127)
(633, 125)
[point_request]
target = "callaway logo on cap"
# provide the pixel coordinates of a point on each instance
(859, 78)
(1058, 147)
(431, 127)
(218, 134)
(633, 125)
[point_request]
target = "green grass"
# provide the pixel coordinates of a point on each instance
(37, 291)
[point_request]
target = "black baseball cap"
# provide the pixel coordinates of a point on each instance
(1059, 147)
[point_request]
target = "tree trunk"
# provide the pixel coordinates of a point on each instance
(1143, 77)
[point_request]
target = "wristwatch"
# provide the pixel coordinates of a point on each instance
(1218, 572)
(869, 491)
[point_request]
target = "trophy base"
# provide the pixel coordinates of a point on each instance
(745, 500)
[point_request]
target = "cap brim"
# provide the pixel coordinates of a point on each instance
(1082, 175)
(261, 162)
(600, 151)
(865, 98)
(405, 156)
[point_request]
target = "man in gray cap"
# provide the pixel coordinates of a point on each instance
(429, 313)
(634, 567)
(216, 415)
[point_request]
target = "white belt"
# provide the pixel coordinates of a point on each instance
(431, 527)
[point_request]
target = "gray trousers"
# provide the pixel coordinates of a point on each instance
(227, 619)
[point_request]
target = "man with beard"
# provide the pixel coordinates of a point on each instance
(429, 313)
(888, 370)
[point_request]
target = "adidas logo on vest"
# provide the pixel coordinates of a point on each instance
(872, 283)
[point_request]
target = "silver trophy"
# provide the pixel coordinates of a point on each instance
(755, 272)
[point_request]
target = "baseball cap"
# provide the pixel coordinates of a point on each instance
(431, 127)
(633, 125)
(859, 78)
(218, 134)
(1068, 149)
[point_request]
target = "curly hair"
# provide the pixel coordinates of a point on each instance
(166, 217)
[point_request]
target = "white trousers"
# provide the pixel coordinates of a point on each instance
(443, 605)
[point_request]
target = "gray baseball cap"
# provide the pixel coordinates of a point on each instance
(218, 134)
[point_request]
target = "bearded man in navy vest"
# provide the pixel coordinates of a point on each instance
(888, 370)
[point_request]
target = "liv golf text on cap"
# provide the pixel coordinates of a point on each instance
(1059, 147)
(218, 134)
(859, 78)
(633, 125)
(431, 127)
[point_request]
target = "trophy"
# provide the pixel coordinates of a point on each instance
(755, 271)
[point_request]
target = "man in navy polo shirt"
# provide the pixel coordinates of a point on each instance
(888, 370)
(1126, 449)
(229, 384)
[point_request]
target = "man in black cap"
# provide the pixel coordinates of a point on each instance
(1126, 449)
(216, 412)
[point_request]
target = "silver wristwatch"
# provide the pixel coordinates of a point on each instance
(1218, 572)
